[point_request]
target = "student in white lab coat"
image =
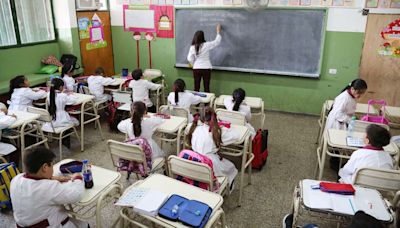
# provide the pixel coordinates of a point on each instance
(96, 85)
(21, 95)
(57, 102)
(140, 125)
(199, 58)
(5, 122)
(66, 74)
(372, 156)
(344, 106)
(237, 103)
(38, 198)
(182, 99)
(206, 137)
(140, 89)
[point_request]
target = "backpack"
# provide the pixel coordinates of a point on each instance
(260, 149)
(133, 167)
(70, 59)
(7, 172)
(115, 116)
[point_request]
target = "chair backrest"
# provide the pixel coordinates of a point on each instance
(86, 90)
(194, 170)
(152, 72)
(126, 151)
(44, 114)
(380, 179)
(2, 106)
(361, 126)
(231, 116)
(174, 111)
(122, 97)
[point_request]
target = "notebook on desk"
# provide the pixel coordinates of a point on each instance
(355, 142)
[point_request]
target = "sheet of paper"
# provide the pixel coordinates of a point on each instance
(343, 204)
(139, 19)
(319, 199)
(151, 202)
(132, 197)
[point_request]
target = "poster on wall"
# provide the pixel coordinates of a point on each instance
(96, 34)
(138, 18)
(391, 40)
(83, 27)
(163, 20)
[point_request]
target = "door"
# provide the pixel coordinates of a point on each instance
(95, 41)
(380, 61)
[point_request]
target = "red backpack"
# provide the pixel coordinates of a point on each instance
(260, 149)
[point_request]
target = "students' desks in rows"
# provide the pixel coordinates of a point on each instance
(335, 140)
(360, 108)
(392, 114)
(105, 184)
(337, 208)
(171, 186)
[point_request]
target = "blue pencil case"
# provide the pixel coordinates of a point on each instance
(190, 212)
(200, 94)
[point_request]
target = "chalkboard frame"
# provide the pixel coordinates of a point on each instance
(256, 71)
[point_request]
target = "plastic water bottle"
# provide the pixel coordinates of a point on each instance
(350, 128)
(87, 174)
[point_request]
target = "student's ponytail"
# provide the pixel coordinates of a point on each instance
(211, 117)
(179, 86)
(357, 84)
(56, 84)
(195, 122)
(138, 110)
(16, 82)
(238, 97)
(66, 69)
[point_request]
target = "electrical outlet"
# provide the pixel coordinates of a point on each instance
(332, 71)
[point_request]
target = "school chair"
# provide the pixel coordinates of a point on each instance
(99, 105)
(232, 117)
(322, 120)
(196, 171)
(58, 133)
(159, 95)
(133, 153)
(174, 111)
(5, 148)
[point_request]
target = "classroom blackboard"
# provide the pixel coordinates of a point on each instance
(272, 41)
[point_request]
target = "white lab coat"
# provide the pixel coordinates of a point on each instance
(245, 110)
(149, 126)
(36, 200)
(5, 122)
(96, 86)
(140, 90)
(63, 119)
(343, 109)
(203, 143)
(202, 60)
(69, 82)
(22, 98)
(364, 158)
(185, 100)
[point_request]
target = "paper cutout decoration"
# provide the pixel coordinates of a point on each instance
(96, 34)
(391, 36)
(83, 27)
(137, 36)
(164, 21)
(149, 37)
(138, 18)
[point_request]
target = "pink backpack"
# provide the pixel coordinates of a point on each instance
(193, 156)
(133, 167)
(379, 118)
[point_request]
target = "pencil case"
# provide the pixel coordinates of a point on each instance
(343, 189)
(199, 94)
(71, 167)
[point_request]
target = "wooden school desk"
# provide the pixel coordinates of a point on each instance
(26, 124)
(241, 148)
(87, 108)
(305, 202)
(105, 190)
(335, 140)
(392, 114)
(171, 186)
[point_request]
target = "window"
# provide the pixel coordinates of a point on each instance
(23, 22)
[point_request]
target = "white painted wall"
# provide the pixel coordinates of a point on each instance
(64, 14)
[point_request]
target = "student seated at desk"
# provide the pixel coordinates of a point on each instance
(66, 75)
(344, 106)
(206, 137)
(5, 122)
(182, 99)
(238, 104)
(21, 95)
(96, 85)
(140, 89)
(140, 125)
(57, 102)
(38, 198)
(372, 155)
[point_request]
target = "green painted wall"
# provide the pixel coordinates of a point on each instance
(342, 51)
(24, 60)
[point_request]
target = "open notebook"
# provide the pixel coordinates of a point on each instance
(143, 200)
(355, 142)
(343, 204)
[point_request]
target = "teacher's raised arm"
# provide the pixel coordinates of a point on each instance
(199, 58)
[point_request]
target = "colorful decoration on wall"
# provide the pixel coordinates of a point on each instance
(137, 36)
(164, 21)
(96, 34)
(149, 37)
(83, 27)
(391, 40)
(139, 18)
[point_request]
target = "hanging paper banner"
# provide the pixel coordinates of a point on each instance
(164, 21)
(138, 18)
(391, 43)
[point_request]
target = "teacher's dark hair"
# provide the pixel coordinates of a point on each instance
(198, 40)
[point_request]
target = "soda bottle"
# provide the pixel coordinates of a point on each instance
(87, 174)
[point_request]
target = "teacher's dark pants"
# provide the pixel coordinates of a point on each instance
(206, 75)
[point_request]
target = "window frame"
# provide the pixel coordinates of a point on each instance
(16, 29)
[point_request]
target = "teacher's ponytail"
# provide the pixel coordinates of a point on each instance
(198, 40)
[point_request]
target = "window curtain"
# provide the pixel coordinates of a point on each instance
(7, 32)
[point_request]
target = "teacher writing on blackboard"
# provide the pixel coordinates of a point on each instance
(199, 58)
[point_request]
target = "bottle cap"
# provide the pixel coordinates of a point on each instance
(85, 161)
(353, 118)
